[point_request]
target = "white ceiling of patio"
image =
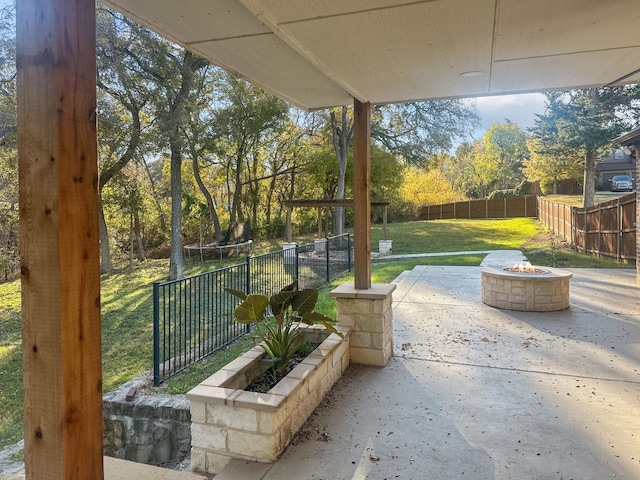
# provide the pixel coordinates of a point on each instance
(321, 53)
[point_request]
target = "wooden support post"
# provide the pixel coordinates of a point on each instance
(59, 251)
(362, 194)
(319, 222)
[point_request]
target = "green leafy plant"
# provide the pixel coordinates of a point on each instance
(281, 321)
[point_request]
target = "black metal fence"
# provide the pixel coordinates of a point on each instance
(193, 316)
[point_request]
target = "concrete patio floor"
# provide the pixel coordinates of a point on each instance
(474, 392)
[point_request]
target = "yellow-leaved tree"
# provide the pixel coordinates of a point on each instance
(427, 187)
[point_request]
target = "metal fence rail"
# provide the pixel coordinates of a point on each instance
(193, 316)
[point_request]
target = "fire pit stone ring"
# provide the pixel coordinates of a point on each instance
(544, 290)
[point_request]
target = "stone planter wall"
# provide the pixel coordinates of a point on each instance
(229, 422)
(149, 429)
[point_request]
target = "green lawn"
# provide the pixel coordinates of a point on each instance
(577, 200)
(457, 235)
(127, 300)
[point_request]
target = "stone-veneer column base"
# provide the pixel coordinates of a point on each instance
(369, 315)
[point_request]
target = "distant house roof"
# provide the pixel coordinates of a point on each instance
(630, 138)
(617, 165)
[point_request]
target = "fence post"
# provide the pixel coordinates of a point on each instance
(573, 227)
(349, 251)
(156, 333)
(326, 249)
(586, 217)
(599, 230)
(247, 327)
(296, 263)
(505, 207)
(247, 279)
(620, 230)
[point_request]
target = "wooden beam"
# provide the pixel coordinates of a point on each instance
(362, 194)
(59, 252)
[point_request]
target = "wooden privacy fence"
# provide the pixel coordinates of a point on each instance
(498, 208)
(607, 229)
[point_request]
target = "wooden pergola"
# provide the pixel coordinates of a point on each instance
(329, 203)
(396, 52)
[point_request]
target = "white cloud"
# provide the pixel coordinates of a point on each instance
(520, 109)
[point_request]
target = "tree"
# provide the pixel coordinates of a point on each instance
(549, 169)
(247, 120)
(342, 136)
(583, 123)
(120, 103)
(416, 131)
(499, 157)
(422, 187)
(460, 170)
(169, 73)
(198, 132)
(9, 256)
(413, 131)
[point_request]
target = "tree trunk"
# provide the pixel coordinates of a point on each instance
(154, 194)
(270, 192)
(254, 187)
(342, 135)
(288, 225)
(176, 115)
(106, 174)
(589, 186)
(235, 206)
(131, 242)
(176, 260)
(137, 230)
(106, 265)
(213, 215)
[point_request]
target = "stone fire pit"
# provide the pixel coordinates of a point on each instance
(540, 290)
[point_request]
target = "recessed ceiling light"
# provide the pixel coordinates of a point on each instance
(471, 74)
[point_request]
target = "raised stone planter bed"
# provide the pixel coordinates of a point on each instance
(229, 422)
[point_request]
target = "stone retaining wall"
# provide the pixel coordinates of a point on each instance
(152, 429)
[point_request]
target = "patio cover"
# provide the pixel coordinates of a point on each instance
(322, 53)
(314, 53)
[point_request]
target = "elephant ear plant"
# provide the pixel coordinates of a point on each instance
(280, 322)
